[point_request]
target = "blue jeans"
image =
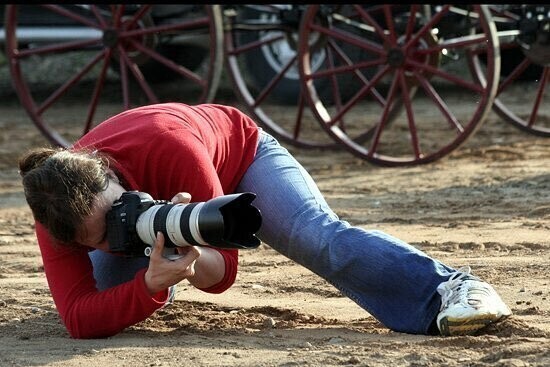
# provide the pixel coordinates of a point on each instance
(395, 282)
(111, 270)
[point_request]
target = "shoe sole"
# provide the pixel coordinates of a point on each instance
(449, 326)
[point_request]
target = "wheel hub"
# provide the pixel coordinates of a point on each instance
(396, 58)
(110, 37)
(113, 37)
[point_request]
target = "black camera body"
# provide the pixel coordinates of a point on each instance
(228, 221)
(121, 222)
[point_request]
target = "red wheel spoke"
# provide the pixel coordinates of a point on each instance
(269, 87)
(334, 87)
(72, 15)
(299, 116)
(97, 90)
(426, 27)
(98, 16)
(355, 67)
(439, 102)
(169, 63)
(137, 16)
(124, 79)
(195, 24)
(256, 44)
(389, 22)
(350, 38)
(383, 119)
(138, 76)
(68, 84)
(540, 94)
(454, 79)
(357, 71)
(410, 114)
(61, 47)
(360, 94)
(118, 10)
(518, 70)
(411, 22)
(372, 22)
(351, 66)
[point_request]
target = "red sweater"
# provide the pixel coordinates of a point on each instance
(162, 150)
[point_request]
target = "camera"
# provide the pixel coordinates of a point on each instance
(228, 221)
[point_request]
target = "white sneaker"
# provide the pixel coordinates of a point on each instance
(468, 304)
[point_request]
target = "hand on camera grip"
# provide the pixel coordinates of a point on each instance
(163, 273)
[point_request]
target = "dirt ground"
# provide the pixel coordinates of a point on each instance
(487, 205)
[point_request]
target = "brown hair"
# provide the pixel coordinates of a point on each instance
(60, 187)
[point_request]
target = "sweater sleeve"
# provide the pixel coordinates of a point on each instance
(85, 311)
(230, 258)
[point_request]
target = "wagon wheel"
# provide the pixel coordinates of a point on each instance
(261, 58)
(525, 72)
(404, 49)
(110, 58)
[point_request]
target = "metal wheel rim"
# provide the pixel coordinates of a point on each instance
(533, 118)
(301, 129)
(37, 109)
(485, 90)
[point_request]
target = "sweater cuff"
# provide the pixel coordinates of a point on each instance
(158, 298)
(230, 258)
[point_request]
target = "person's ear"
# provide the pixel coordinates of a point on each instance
(112, 175)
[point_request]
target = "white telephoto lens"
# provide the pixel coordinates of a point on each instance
(144, 226)
(178, 230)
(194, 224)
(173, 228)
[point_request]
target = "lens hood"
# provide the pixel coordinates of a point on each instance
(230, 221)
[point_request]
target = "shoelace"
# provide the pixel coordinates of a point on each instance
(452, 290)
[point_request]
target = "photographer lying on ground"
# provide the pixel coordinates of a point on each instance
(197, 153)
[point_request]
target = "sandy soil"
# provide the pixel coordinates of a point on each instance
(486, 205)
